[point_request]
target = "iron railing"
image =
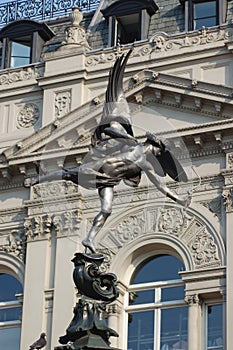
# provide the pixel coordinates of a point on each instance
(42, 9)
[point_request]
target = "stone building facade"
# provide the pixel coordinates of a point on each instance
(178, 84)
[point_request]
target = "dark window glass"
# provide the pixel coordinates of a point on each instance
(10, 338)
(161, 268)
(141, 331)
(204, 14)
(215, 327)
(174, 325)
(173, 293)
(128, 29)
(11, 314)
(9, 286)
(142, 297)
(20, 52)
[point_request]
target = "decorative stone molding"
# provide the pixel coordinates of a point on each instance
(127, 230)
(28, 115)
(67, 223)
(13, 243)
(38, 227)
(228, 199)
(161, 42)
(204, 249)
(22, 74)
(54, 189)
(192, 299)
(229, 160)
(62, 103)
(169, 221)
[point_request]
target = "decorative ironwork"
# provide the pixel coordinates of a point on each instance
(42, 9)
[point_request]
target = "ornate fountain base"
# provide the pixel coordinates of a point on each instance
(88, 329)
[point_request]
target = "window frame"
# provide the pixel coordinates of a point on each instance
(39, 33)
(12, 304)
(221, 12)
(205, 307)
(145, 9)
(192, 19)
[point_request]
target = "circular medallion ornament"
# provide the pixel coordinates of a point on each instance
(28, 115)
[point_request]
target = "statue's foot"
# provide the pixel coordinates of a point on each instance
(31, 181)
(88, 244)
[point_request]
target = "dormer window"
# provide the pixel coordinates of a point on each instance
(204, 13)
(22, 42)
(129, 21)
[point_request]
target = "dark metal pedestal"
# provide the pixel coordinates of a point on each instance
(88, 329)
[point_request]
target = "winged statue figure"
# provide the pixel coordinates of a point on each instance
(116, 155)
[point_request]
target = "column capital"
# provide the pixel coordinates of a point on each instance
(193, 299)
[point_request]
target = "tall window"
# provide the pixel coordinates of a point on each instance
(214, 327)
(10, 312)
(157, 313)
(205, 13)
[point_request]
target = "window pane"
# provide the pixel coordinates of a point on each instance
(205, 14)
(128, 28)
(10, 338)
(11, 314)
(161, 268)
(141, 331)
(9, 286)
(205, 9)
(174, 327)
(215, 327)
(142, 297)
(20, 52)
(174, 293)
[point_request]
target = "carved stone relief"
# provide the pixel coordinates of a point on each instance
(62, 103)
(168, 221)
(13, 243)
(67, 223)
(161, 42)
(22, 74)
(40, 226)
(228, 199)
(28, 115)
(54, 189)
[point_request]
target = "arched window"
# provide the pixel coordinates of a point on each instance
(157, 313)
(10, 312)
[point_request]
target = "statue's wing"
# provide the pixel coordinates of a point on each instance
(171, 166)
(115, 101)
(116, 107)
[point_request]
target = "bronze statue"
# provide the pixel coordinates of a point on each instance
(117, 155)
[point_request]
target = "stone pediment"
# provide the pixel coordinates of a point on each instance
(191, 108)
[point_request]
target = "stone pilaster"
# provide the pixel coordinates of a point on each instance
(194, 321)
(227, 195)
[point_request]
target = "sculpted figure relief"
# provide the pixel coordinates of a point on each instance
(116, 155)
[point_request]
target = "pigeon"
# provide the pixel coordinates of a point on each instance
(40, 343)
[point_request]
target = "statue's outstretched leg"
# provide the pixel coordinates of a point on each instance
(106, 199)
(53, 176)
